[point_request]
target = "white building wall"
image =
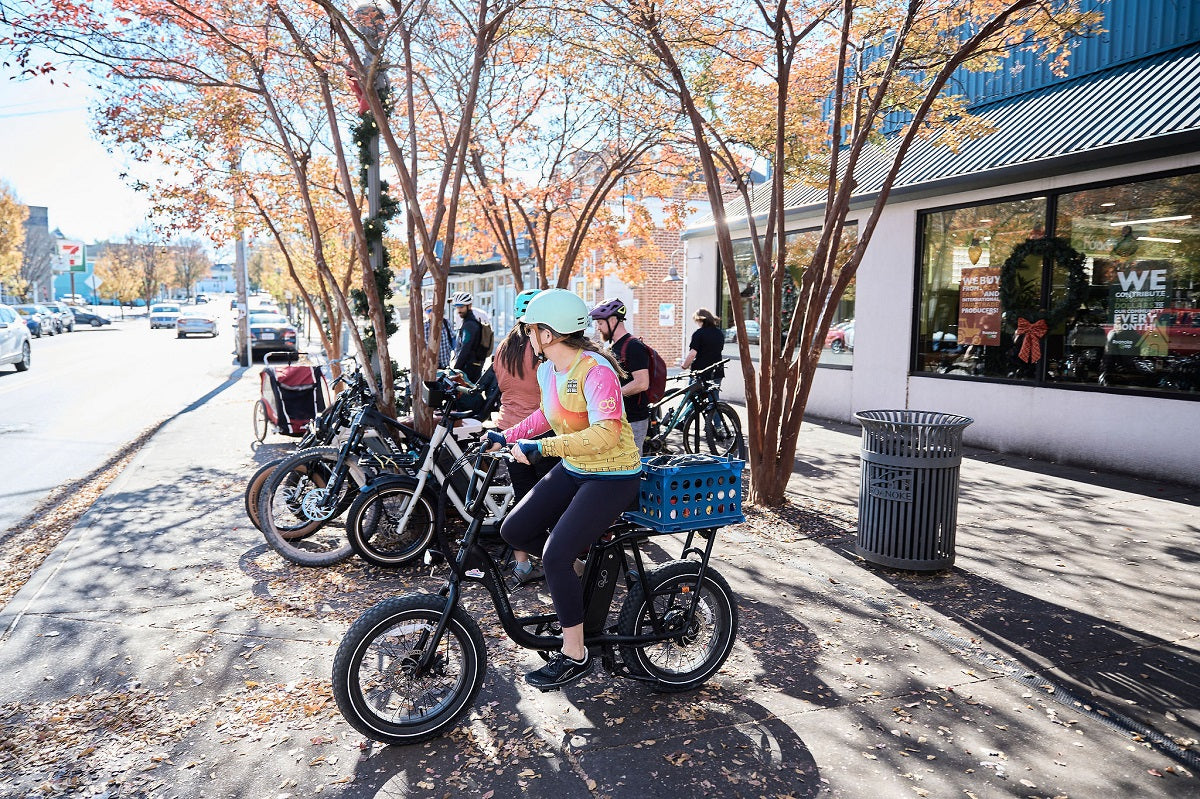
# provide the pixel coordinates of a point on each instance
(1147, 436)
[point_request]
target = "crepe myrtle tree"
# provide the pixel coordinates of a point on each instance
(809, 87)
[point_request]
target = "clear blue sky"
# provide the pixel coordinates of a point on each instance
(49, 157)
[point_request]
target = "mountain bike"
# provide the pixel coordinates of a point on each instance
(391, 522)
(692, 419)
(411, 666)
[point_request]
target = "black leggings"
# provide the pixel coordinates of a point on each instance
(577, 510)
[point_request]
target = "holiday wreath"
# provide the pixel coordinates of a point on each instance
(1030, 320)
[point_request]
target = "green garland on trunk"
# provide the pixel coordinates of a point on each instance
(374, 227)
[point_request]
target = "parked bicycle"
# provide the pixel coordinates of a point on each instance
(323, 431)
(411, 666)
(311, 487)
(391, 522)
(693, 419)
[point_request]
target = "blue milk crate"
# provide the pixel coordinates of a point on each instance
(674, 499)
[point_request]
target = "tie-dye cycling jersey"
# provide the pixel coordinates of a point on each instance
(584, 408)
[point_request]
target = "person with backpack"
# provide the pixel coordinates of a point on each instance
(634, 357)
(474, 338)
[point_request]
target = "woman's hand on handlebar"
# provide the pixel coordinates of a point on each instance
(494, 440)
(526, 452)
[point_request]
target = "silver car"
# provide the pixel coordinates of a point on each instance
(66, 319)
(163, 315)
(14, 339)
(195, 321)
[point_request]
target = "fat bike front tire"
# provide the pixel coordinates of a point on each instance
(374, 680)
(373, 523)
(291, 511)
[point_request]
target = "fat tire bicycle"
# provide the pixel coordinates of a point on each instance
(411, 666)
(324, 431)
(692, 419)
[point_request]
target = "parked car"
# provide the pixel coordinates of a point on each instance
(14, 339)
(163, 315)
(201, 299)
(195, 320)
(751, 332)
(83, 317)
(840, 337)
(62, 312)
(73, 299)
(37, 319)
(271, 332)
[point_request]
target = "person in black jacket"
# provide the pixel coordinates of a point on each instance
(466, 352)
(634, 358)
(706, 345)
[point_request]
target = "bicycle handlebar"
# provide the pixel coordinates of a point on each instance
(693, 375)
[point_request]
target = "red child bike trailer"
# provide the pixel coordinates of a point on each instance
(291, 396)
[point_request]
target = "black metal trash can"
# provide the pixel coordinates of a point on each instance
(908, 497)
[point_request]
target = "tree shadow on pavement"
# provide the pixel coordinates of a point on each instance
(1133, 681)
(599, 737)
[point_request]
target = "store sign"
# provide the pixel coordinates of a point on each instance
(1137, 296)
(72, 256)
(979, 306)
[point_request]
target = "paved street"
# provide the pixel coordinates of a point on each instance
(90, 392)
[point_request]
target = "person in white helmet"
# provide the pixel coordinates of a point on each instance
(467, 358)
(597, 479)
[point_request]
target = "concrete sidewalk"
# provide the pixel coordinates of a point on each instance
(165, 651)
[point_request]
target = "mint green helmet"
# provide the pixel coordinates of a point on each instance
(522, 302)
(558, 309)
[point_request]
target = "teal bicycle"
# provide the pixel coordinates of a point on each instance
(692, 419)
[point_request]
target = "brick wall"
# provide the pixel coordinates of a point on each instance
(669, 341)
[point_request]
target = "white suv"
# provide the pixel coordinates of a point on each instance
(14, 339)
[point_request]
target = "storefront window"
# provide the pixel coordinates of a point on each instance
(1110, 298)
(1139, 323)
(960, 328)
(839, 344)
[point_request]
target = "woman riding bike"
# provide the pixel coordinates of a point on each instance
(596, 480)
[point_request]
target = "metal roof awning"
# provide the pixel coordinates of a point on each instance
(1144, 109)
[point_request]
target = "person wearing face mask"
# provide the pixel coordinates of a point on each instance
(572, 506)
(634, 358)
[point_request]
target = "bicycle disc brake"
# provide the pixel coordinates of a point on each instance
(314, 505)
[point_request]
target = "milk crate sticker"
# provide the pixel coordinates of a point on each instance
(894, 484)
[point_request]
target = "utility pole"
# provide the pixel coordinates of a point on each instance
(242, 343)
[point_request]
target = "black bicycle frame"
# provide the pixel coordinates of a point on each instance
(473, 563)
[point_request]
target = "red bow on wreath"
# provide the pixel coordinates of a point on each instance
(1031, 347)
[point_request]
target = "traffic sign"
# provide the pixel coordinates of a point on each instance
(93, 282)
(72, 255)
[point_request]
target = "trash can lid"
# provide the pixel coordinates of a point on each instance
(911, 418)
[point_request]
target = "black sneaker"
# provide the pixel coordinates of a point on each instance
(560, 671)
(536, 572)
